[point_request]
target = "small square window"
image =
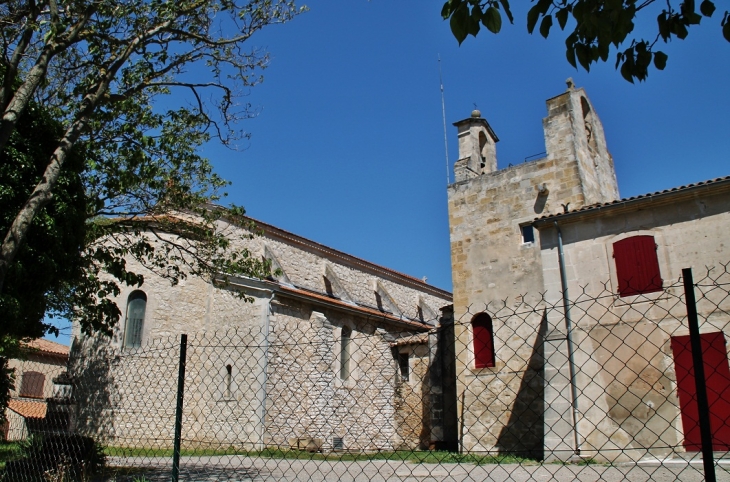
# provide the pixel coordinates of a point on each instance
(528, 234)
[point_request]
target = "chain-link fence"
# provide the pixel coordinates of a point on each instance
(593, 386)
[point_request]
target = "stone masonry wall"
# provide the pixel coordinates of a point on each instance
(280, 386)
(623, 348)
(412, 400)
(306, 398)
(491, 265)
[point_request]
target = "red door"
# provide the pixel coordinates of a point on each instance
(717, 375)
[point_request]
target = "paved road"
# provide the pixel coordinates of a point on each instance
(246, 469)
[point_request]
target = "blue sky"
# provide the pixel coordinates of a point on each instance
(348, 146)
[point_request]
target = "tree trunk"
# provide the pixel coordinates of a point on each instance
(41, 195)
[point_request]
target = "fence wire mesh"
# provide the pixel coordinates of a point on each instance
(527, 389)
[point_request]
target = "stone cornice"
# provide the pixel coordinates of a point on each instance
(662, 198)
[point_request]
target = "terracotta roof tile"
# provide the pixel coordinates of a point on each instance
(27, 408)
(364, 310)
(47, 346)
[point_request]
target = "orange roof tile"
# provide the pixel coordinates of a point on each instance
(283, 289)
(27, 408)
(47, 346)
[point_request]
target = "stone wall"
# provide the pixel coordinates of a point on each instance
(264, 372)
(307, 264)
(412, 398)
(627, 375)
(492, 265)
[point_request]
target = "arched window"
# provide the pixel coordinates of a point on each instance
(483, 341)
(345, 353)
(637, 266)
(136, 307)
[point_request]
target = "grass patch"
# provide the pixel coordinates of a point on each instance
(428, 457)
(8, 451)
(165, 452)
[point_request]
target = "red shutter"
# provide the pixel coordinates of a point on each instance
(483, 341)
(717, 381)
(31, 385)
(637, 266)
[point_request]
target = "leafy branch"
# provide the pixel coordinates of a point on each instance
(596, 27)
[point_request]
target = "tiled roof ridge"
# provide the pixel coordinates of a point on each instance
(590, 207)
(47, 346)
(363, 309)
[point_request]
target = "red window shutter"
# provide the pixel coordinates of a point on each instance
(637, 266)
(483, 341)
(717, 381)
(31, 385)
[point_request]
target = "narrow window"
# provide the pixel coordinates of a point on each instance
(136, 307)
(528, 234)
(483, 341)
(637, 266)
(345, 353)
(31, 385)
(229, 381)
(482, 150)
(403, 363)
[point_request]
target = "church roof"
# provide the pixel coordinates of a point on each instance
(361, 263)
(719, 182)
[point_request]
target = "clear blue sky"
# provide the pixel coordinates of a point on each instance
(348, 147)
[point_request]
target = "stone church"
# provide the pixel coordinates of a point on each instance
(522, 236)
(332, 353)
(337, 353)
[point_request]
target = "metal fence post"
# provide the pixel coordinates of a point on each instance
(703, 408)
(179, 408)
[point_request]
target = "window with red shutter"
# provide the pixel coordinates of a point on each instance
(483, 341)
(31, 385)
(637, 266)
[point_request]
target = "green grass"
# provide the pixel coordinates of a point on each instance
(429, 457)
(8, 451)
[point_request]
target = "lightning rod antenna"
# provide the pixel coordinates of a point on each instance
(443, 113)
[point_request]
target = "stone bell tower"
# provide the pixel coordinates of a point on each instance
(477, 147)
(496, 260)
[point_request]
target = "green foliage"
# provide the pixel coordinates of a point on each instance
(50, 259)
(8, 451)
(56, 457)
(93, 173)
(598, 26)
(115, 175)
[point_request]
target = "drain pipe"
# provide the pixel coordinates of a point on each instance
(569, 330)
(264, 394)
